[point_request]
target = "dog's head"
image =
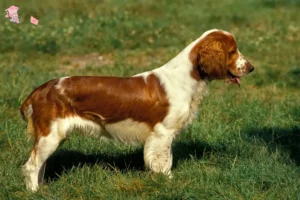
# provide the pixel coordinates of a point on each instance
(216, 56)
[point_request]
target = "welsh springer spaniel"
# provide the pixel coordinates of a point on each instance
(149, 108)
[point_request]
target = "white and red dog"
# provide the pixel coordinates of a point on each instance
(150, 108)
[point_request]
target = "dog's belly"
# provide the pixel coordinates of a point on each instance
(127, 131)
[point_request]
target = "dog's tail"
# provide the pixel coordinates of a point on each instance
(26, 111)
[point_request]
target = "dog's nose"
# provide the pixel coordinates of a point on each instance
(251, 68)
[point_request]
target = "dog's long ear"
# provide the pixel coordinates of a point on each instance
(209, 57)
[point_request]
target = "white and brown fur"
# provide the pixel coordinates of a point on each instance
(149, 108)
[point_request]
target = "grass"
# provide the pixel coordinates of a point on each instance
(245, 143)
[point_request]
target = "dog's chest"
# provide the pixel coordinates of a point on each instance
(189, 110)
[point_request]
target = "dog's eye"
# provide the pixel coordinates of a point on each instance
(232, 52)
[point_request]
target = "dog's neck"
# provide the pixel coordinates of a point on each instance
(178, 72)
(184, 91)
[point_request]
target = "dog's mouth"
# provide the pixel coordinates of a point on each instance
(232, 79)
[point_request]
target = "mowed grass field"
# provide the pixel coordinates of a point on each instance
(245, 144)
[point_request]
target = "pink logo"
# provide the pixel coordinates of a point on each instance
(12, 13)
(34, 20)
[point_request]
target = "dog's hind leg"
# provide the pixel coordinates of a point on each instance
(45, 145)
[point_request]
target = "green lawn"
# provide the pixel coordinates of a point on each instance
(245, 143)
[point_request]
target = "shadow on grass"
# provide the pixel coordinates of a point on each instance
(288, 139)
(63, 161)
(187, 149)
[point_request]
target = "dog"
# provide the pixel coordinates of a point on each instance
(149, 108)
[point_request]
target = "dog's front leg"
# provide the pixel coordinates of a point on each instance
(158, 152)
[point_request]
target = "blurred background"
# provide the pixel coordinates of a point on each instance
(268, 30)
